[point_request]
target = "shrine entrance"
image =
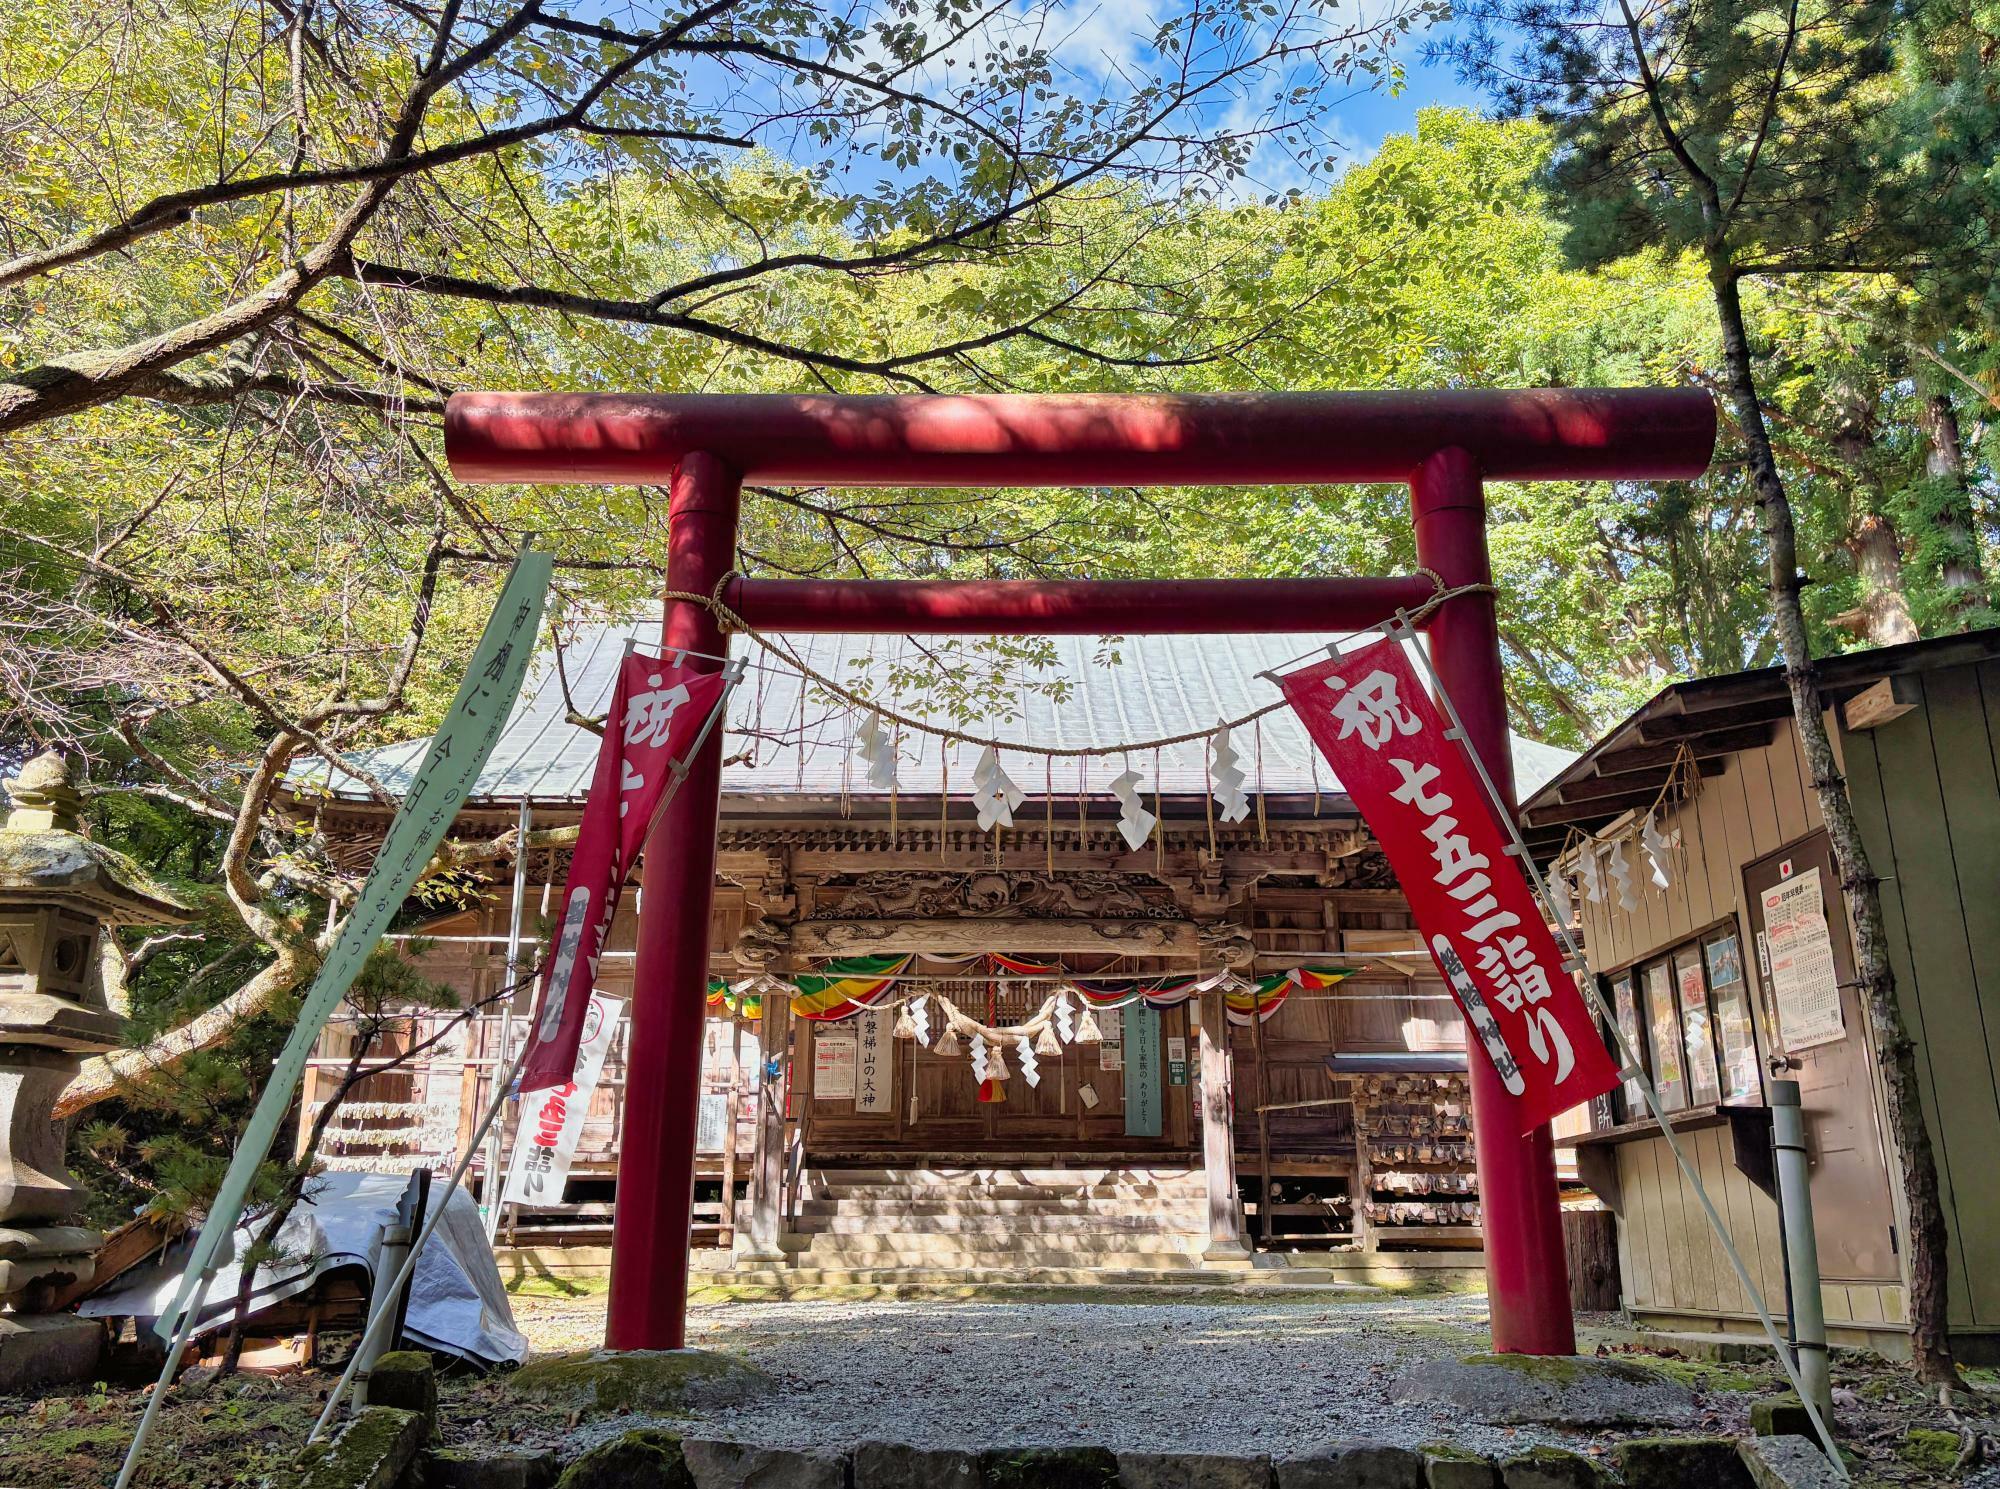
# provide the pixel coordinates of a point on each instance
(1443, 446)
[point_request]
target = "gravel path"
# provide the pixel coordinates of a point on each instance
(1247, 1377)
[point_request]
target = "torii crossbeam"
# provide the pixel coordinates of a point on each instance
(1443, 446)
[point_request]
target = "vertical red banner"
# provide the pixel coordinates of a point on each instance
(1385, 737)
(657, 712)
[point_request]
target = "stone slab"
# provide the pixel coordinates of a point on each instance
(1352, 1465)
(489, 1468)
(1550, 1468)
(1787, 1463)
(47, 1349)
(895, 1465)
(644, 1458)
(1048, 1468)
(1671, 1462)
(1192, 1471)
(736, 1465)
(1571, 1391)
(373, 1451)
(1446, 1467)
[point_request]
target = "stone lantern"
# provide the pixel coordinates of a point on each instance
(60, 894)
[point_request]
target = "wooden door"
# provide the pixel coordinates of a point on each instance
(1852, 1213)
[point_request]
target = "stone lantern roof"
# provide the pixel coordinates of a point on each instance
(44, 859)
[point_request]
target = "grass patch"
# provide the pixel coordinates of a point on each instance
(222, 1438)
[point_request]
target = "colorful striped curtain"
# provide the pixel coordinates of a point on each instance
(1270, 992)
(846, 986)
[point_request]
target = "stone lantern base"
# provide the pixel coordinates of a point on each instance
(47, 1349)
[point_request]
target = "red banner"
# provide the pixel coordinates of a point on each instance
(657, 713)
(1384, 735)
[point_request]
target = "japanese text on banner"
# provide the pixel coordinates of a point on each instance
(1384, 736)
(657, 712)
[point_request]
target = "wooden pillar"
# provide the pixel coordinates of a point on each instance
(1264, 1216)
(759, 1238)
(1218, 1142)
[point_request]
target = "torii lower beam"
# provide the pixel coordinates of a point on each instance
(1444, 446)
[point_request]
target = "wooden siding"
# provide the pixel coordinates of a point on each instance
(1670, 1261)
(1926, 789)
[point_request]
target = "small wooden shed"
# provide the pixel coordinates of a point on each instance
(1740, 967)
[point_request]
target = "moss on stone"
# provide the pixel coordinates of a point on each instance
(1048, 1468)
(1698, 1375)
(404, 1379)
(1550, 1468)
(1781, 1416)
(1671, 1462)
(371, 1452)
(1450, 1452)
(646, 1458)
(1929, 1449)
(662, 1382)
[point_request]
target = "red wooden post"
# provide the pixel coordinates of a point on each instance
(1527, 1282)
(654, 1213)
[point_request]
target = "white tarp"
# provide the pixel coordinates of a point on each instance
(457, 1303)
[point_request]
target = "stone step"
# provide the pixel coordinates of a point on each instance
(1127, 1194)
(1012, 1174)
(966, 1261)
(814, 1223)
(1074, 1243)
(1082, 1207)
(955, 1281)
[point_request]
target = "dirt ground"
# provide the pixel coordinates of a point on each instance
(1259, 1374)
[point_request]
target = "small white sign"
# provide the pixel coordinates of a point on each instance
(1088, 1096)
(875, 1068)
(552, 1120)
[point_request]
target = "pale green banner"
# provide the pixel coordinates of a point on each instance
(457, 753)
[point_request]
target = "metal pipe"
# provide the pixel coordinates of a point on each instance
(495, 1177)
(1121, 607)
(1527, 1279)
(652, 1220)
(1788, 1143)
(1214, 439)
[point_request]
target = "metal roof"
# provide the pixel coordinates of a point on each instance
(792, 745)
(1710, 718)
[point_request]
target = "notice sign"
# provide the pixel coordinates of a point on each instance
(1111, 1047)
(874, 1073)
(1805, 984)
(552, 1119)
(1384, 736)
(833, 1066)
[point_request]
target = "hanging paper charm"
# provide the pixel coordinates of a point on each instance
(1134, 821)
(1228, 777)
(980, 1065)
(1590, 873)
(919, 1010)
(1659, 850)
(1621, 876)
(877, 747)
(1065, 1018)
(1031, 1070)
(1560, 899)
(993, 792)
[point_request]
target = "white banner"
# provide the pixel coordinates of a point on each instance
(552, 1119)
(875, 1071)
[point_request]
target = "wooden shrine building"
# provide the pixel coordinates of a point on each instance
(1741, 967)
(1188, 1130)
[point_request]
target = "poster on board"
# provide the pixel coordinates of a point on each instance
(1805, 983)
(833, 1065)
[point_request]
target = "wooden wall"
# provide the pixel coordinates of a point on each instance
(1926, 788)
(1672, 1265)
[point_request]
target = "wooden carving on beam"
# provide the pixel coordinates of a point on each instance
(959, 935)
(992, 894)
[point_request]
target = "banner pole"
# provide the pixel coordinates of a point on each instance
(457, 753)
(1634, 1071)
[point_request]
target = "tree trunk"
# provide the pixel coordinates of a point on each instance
(1929, 1342)
(1959, 568)
(1883, 617)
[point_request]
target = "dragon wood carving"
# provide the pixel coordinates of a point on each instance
(914, 894)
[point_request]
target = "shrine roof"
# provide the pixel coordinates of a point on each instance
(785, 746)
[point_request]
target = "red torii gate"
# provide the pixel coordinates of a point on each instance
(1442, 445)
